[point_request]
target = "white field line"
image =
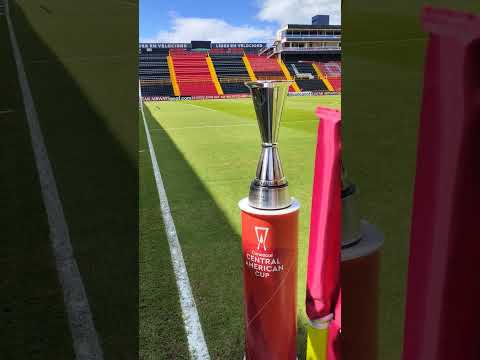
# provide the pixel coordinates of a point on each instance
(3, 112)
(193, 328)
(202, 107)
(204, 127)
(85, 340)
(223, 126)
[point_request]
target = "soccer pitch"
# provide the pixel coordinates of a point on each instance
(207, 152)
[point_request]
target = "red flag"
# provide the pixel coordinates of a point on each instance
(443, 288)
(323, 273)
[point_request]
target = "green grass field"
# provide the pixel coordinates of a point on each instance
(207, 153)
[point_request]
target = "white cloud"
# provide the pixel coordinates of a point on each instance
(298, 11)
(185, 29)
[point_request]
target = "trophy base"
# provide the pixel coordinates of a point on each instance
(269, 197)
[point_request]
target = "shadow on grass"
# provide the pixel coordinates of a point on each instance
(97, 180)
(32, 318)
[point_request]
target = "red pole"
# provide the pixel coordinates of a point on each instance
(443, 296)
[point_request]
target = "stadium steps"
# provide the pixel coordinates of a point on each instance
(336, 83)
(154, 75)
(248, 66)
(231, 72)
(266, 68)
(287, 75)
(322, 77)
(192, 73)
(306, 69)
(312, 85)
(173, 76)
(213, 74)
(333, 72)
(331, 68)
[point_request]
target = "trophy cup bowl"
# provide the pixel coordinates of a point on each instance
(269, 189)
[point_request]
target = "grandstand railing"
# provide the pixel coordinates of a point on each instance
(310, 49)
(311, 37)
(227, 51)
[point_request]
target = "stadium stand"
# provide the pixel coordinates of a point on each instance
(331, 68)
(226, 51)
(192, 73)
(305, 76)
(308, 54)
(265, 68)
(168, 70)
(231, 71)
(333, 71)
(2, 8)
(153, 73)
(336, 83)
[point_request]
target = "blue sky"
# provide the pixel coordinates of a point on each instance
(227, 20)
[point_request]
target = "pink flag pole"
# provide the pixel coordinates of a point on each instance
(443, 295)
(323, 272)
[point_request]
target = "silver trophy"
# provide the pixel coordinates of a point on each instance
(269, 189)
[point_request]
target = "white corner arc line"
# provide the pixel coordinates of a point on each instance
(193, 328)
(84, 336)
(201, 107)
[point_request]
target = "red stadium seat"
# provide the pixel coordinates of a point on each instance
(333, 71)
(193, 75)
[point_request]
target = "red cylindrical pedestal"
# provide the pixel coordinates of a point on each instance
(269, 246)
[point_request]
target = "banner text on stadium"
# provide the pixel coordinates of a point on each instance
(232, 96)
